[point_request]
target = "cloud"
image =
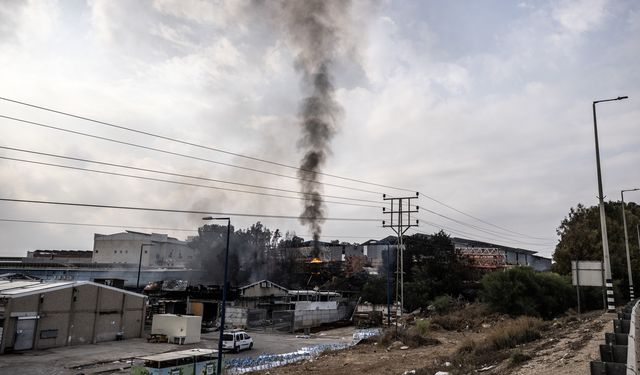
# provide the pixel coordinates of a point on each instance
(494, 118)
(580, 16)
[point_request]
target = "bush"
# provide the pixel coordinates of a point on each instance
(411, 336)
(375, 290)
(518, 357)
(509, 335)
(522, 330)
(522, 291)
(443, 304)
(423, 326)
(468, 317)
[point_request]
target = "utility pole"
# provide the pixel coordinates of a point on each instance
(603, 220)
(401, 211)
(626, 244)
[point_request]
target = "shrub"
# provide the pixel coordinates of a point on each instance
(423, 326)
(519, 331)
(443, 304)
(468, 317)
(410, 336)
(518, 357)
(522, 291)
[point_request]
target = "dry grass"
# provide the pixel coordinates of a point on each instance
(522, 330)
(410, 336)
(468, 317)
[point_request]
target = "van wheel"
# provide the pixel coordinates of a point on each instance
(250, 346)
(236, 349)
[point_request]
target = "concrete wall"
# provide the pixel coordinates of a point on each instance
(313, 314)
(236, 316)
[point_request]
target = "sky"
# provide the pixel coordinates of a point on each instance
(483, 105)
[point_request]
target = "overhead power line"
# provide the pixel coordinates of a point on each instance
(480, 220)
(181, 155)
(130, 129)
(94, 225)
(170, 210)
(177, 182)
(176, 140)
(473, 235)
(182, 175)
(487, 231)
(24, 221)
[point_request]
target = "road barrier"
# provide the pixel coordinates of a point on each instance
(618, 356)
(266, 361)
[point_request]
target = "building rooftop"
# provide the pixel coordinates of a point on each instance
(19, 288)
(178, 354)
(268, 284)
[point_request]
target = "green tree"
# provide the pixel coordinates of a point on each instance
(375, 290)
(431, 269)
(580, 239)
(522, 291)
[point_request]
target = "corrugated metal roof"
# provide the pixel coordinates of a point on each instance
(6, 284)
(13, 289)
(179, 354)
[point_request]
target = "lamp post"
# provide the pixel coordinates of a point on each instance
(603, 221)
(626, 244)
(140, 263)
(224, 289)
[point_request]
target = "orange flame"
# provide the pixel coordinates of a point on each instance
(316, 260)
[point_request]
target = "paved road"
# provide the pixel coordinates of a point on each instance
(111, 357)
(277, 343)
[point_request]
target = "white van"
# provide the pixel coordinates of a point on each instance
(236, 341)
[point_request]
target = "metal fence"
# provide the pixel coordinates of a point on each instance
(283, 320)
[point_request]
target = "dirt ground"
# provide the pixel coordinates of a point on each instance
(569, 347)
(565, 348)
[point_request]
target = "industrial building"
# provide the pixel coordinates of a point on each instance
(151, 250)
(41, 315)
(488, 256)
(60, 256)
(265, 303)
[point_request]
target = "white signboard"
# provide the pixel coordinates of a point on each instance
(586, 273)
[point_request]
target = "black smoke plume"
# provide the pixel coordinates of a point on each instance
(314, 29)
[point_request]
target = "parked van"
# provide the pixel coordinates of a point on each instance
(236, 341)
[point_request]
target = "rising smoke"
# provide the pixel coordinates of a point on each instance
(315, 28)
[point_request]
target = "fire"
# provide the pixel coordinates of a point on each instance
(316, 260)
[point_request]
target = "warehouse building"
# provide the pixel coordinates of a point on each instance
(41, 315)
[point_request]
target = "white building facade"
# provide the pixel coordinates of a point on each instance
(158, 250)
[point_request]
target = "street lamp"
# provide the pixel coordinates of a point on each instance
(603, 221)
(224, 289)
(140, 263)
(626, 243)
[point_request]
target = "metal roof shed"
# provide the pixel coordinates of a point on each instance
(41, 315)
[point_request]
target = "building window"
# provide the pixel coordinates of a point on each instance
(115, 251)
(96, 251)
(49, 334)
(145, 251)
